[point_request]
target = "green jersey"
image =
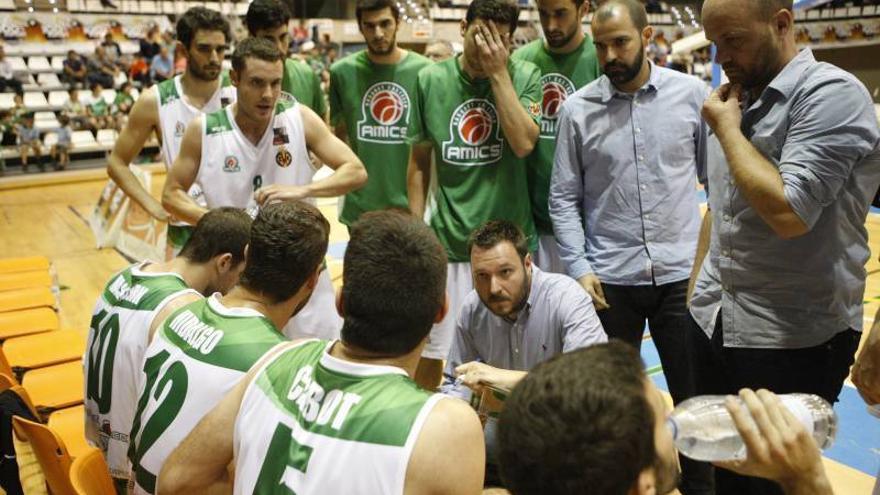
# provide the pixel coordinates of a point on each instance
(123, 99)
(311, 424)
(300, 83)
(561, 75)
(478, 177)
(199, 354)
(98, 106)
(375, 102)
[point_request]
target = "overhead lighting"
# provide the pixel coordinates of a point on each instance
(55, 10)
(30, 9)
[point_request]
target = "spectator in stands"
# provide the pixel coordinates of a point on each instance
(150, 45)
(111, 48)
(101, 69)
(162, 66)
(7, 137)
(139, 71)
(97, 108)
(18, 109)
(122, 105)
(74, 69)
(438, 50)
(29, 142)
(7, 74)
(75, 111)
(61, 149)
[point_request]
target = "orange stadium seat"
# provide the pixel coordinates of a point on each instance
(69, 424)
(44, 349)
(90, 475)
(50, 452)
(26, 322)
(35, 297)
(55, 387)
(25, 280)
(26, 264)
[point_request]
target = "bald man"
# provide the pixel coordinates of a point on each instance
(793, 165)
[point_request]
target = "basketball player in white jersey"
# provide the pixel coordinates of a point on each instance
(169, 106)
(256, 152)
(345, 417)
(136, 296)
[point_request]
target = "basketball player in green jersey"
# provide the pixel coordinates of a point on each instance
(119, 332)
(567, 60)
(202, 350)
(479, 112)
(371, 97)
(167, 108)
(269, 19)
(345, 417)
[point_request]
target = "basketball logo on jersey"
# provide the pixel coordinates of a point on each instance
(556, 89)
(283, 157)
(385, 114)
(230, 164)
(474, 135)
(179, 128)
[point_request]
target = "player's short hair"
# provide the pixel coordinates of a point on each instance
(578, 423)
(220, 231)
(266, 14)
(494, 232)
(577, 3)
(288, 243)
(258, 48)
(201, 19)
(503, 12)
(636, 10)
(394, 286)
(372, 5)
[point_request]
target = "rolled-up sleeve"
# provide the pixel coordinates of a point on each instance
(566, 198)
(581, 326)
(831, 130)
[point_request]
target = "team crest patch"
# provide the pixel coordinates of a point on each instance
(283, 158)
(179, 128)
(474, 135)
(556, 89)
(279, 136)
(384, 114)
(230, 164)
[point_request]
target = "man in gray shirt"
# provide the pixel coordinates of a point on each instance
(623, 191)
(516, 317)
(793, 164)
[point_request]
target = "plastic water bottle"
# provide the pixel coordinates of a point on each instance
(703, 429)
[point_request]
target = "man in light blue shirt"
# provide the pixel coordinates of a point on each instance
(515, 318)
(622, 196)
(794, 161)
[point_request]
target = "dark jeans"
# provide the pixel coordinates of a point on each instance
(720, 370)
(665, 309)
(13, 83)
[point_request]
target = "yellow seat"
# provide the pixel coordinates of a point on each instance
(44, 349)
(50, 452)
(69, 424)
(25, 280)
(90, 475)
(34, 297)
(27, 264)
(55, 387)
(26, 322)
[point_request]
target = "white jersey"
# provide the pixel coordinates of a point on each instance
(175, 113)
(198, 355)
(235, 168)
(232, 169)
(118, 338)
(313, 424)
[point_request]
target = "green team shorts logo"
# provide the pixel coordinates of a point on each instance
(556, 89)
(474, 135)
(385, 114)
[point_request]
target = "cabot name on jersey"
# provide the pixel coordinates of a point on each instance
(317, 406)
(474, 135)
(384, 114)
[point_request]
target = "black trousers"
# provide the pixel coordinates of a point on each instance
(720, 370)
(664, 307)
